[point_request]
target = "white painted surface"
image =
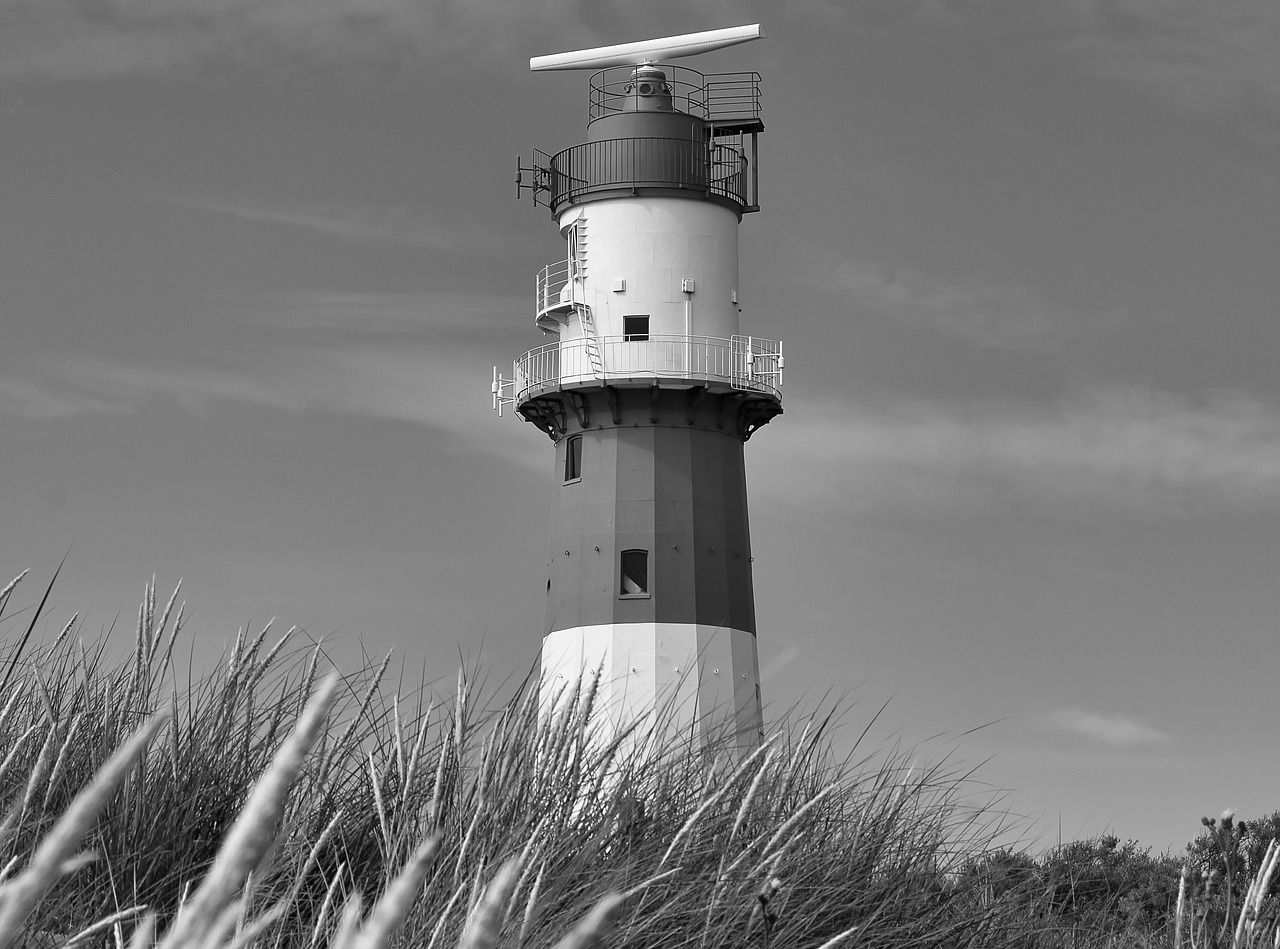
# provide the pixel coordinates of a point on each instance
(656, 50)
(682, 678)
(655, 244)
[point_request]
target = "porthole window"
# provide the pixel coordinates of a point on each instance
(635, 573)
(573, 458)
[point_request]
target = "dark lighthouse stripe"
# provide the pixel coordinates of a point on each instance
(674, 488)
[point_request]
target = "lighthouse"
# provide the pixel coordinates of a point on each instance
(649, 390)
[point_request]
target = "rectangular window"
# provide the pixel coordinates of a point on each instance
(635, 573)
(635, 329)
(573, 458)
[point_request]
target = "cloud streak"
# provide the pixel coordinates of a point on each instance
(1202, 55)
(353, 225)
(1117, 731)
(1130, 447)
(62, 39)
(424, 359)
(999, 317)
(456, 312)
(1197, 55)
(41, 401)
(445, 389)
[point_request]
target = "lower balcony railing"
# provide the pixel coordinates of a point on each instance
(748, 363)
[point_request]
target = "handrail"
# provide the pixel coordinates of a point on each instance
(551, 280)
(746, 363)
(716, 167)
(719, 96)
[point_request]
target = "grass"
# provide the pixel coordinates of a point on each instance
(273, 802)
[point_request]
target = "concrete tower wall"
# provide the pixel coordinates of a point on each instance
(674, 488)
(660, 473)
(691, 681)
(637, 254)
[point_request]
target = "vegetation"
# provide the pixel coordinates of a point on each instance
(272, 803)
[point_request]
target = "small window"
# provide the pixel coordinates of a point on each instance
(635, 329)
(635, 573)
(577, 263)
(573, 458)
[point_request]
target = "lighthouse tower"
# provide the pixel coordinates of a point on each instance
(649, 390)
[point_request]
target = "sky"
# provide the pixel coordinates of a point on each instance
(259, 257)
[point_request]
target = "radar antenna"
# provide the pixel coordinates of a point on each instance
(647, 51)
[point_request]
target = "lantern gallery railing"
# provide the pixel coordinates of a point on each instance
(716, 168)
(738, 362)
(719, 97)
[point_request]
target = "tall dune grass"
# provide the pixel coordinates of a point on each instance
(272, 802)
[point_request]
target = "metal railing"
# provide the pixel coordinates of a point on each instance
(711, 167)
(552, 280)
(720, 97)
(733, 96)
(738, 362)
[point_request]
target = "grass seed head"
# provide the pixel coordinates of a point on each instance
(255, 829)
(391, 911)
(23, 892)
(592, 930)
(484, 922)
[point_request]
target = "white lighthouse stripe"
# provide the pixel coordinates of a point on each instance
(697, 680)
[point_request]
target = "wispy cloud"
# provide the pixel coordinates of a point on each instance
(1132, 447)
(1198, 55)
(779, 661)
(63, 39)
(1129, 448)
(362, 312)
(1118, 731)
(1002, 317)
(1203, 55)
(394, 226)
(86, 385)
(33, 398)
(445, 389)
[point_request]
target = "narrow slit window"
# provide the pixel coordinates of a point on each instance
(577, 265)
(635, 573)
(635, 329)
(573, 458)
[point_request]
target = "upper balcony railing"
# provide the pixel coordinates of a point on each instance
(720, 98)
(747, 363)
(714, 168)
(717, 161)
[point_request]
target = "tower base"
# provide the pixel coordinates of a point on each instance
(672, 680)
